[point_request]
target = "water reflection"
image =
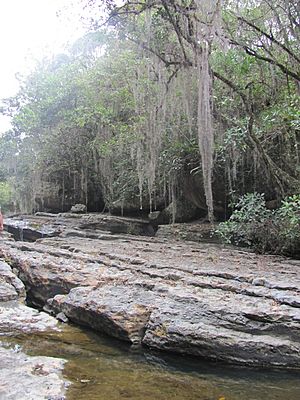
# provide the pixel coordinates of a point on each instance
(104, 369)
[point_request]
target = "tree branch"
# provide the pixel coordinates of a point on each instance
(270, 37)
(151, 50)
(255, 54)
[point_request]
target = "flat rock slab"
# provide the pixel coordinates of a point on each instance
(119, 311)
(191, 327)
(201, 324)
(42, 225)
(190, 298)
(115, 224)
(17, 318)
(30, 378)
(29, 230)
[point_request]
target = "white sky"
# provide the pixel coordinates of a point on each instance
(30, 29)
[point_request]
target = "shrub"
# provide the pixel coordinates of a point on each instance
(274, 231)
(288, 216)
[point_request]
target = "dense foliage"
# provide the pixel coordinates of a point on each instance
(160, 105)
(253, 224)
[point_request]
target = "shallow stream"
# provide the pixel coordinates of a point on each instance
(101, 368)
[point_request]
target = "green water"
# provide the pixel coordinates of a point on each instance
(104, 369)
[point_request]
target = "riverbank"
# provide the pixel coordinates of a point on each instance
(197, 299)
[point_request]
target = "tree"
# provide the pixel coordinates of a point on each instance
(184, 34)
(118, 118)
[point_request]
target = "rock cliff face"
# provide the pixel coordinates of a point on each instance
(188, 298)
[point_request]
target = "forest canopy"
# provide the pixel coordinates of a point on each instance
(185, 104)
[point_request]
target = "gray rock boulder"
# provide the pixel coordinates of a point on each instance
(79, 209)
(179, 210)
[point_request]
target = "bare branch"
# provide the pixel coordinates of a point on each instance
(270, 37)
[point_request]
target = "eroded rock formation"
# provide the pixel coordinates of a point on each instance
(23, 376)
(196, 299)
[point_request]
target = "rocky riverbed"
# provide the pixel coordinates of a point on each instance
(22, 376)
(189, 298)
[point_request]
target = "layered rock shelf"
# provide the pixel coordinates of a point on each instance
(15, 316)
(22, 376)
(190, 298)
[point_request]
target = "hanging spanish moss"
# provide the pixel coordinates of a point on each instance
(208, 28)
(151, 113)
(205, 127)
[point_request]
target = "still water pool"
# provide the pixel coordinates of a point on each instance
(104, 369)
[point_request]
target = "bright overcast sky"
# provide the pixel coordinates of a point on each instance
(30, 29)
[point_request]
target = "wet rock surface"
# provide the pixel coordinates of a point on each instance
(190, 298)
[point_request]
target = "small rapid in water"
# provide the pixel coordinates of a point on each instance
(100, 368)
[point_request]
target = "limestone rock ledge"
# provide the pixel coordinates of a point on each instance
(15, 316)
(188, 298)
